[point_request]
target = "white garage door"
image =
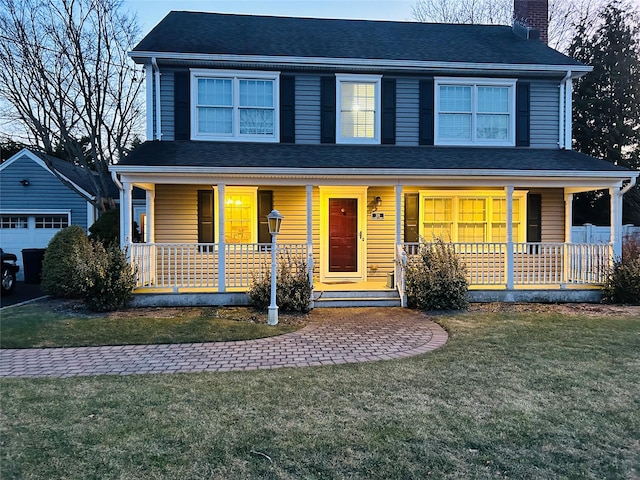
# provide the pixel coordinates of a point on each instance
(30, 230)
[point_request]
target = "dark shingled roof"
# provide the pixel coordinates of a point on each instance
(78, 175)
(214, 33)
(373, 157)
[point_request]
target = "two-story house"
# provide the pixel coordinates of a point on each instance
(367, 136)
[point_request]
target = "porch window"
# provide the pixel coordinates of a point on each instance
(234, 105)
(240, 215)
(471, 218)
(358, 109)
(474, 111)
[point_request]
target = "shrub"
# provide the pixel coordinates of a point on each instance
(67, 251)
(108, 278)
(623, 279)
(293, 291)
(107, 227)
(436, 278)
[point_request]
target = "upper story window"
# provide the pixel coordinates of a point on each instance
(358, 106)
(230, 105)
(475, 111)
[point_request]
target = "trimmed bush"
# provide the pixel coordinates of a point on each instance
(623, 280)
(107, 227)
(293, 291)
(436, 278)
(108, 278)
(67, 251)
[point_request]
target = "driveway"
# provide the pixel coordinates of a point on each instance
(334, 336)
(21, 293)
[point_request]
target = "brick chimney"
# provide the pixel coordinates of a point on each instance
(533, 13)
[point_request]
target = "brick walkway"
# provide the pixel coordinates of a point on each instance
(334, 336)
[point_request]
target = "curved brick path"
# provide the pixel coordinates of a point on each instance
(334, 336)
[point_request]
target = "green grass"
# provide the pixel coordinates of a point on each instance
(512, 395)
(46, 325)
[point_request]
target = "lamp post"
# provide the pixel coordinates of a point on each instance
(274, 221)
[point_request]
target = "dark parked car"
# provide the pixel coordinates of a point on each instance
(9, 270)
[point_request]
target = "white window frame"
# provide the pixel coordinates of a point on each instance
(235, 76)
(474, 83)
(231, 191)
(377, 81)
(519, 233)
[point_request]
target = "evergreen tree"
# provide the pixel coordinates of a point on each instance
(606, 118)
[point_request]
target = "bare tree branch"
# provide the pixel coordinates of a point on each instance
(65, 74)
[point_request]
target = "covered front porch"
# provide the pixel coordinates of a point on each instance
(204, 227)
(214, 268)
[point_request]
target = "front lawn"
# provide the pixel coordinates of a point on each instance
(512, 395)
(61, 324)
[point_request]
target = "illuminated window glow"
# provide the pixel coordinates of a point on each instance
(470, 217)
(358, 109)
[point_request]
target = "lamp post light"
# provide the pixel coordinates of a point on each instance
(274, 221)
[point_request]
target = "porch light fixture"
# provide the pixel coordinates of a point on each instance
(275, 222)
(377, 202)
(25, 182)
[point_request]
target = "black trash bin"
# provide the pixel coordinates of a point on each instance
(32, 264)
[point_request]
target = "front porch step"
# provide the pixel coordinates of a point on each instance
(360, 298)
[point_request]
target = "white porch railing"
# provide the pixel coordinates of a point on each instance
(197, 265)
(534, 264)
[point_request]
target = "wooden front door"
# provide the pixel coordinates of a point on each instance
(343, 235)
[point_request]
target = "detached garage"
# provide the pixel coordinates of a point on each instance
(35, 203)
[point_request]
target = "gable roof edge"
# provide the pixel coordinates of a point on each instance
(577, 70)
(36, 159)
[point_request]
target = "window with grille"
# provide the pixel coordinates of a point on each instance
(475, 111)
(13, 221)
(358, 109)
(52, 221)
(471, 217)
(235, 105)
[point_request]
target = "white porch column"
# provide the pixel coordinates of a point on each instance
(150, 207)
(510, 256)
(568, 217)
(616, 221)
(125, 215)
(222, 249)
(309, 189)
(398, 190)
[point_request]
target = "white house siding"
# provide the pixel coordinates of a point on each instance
(167, 103)
(544, 114)
(307, 100)
(407, 111)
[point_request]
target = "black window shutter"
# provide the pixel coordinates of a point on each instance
(265, 205)
(206, 231)
(287, 109)
(534, 217)
(328, 110)
(411, 216)
(522, 114)
(181, 106)
(426, 112)
(388, 111)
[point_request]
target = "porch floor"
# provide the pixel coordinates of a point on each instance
(349, 286)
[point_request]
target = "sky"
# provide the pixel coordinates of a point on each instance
(150, 12)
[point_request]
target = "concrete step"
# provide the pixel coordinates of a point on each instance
(370, 298)
(357, 294)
